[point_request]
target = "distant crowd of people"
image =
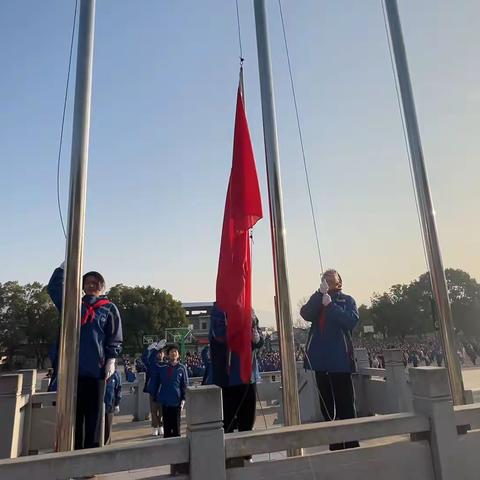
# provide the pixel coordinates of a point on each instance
(420, 353)
(415, 353)
(267, 362)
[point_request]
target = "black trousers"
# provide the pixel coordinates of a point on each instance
(108, 427)
(239, 404)
(88, 421)
(337, 400)
(171, 421)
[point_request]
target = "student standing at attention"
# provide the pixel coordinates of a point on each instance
(100, 344)
(168, 385)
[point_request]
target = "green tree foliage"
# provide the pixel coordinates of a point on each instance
(145, 311)
(409, 309)
(42, 321)
(28, 320)
(366, 318)
(12, 317)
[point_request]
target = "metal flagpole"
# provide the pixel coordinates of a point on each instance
(291, 410)
(427, 212)
(70, 330)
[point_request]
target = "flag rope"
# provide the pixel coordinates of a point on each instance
(300, 135)
(63, 119)
(239, 34)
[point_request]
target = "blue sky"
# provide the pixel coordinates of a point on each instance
(165, 77)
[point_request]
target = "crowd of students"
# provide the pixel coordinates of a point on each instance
(420, 353)
(196, 365)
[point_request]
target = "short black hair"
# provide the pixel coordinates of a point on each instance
(172, 346)
(97, 275)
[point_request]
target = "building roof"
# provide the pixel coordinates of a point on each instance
(197, 304)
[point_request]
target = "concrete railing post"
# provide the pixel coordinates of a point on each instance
(29, 381)
(308, 396)
(28, 388)
(205, 433)
(432, 398)
(141, 403)
(359, 382)
(44, 383)
(361, 358)
(10, 401)
(399, 398)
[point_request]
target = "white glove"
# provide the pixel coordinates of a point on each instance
(182, 404)
(109, 368)
(62, 265)
(326, 300)
(116, 409)
(324, 287)
(152, 346)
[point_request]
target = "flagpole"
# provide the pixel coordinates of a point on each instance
(291, 410)
(427, 212)
(70, 321)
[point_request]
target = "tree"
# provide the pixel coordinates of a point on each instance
(12, 318)
(28, 321)
(393, 313)
(145, 311)
(366, 318)
(41, 321)
(464, 293)
(409, 309)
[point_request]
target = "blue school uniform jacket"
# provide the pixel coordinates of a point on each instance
(330, 349)
(207, 362)
(130, 375)
(168, 383)
(100, 337)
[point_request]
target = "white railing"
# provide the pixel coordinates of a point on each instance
(382, 390)
(112, 458)
(468, 416)
(325, 433)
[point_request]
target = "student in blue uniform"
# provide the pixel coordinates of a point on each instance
(239, 399)
(113, 395)
(100, 344)
(207, 363)
(129, 373)
(168, 385)
(329, 349)
(156, 359)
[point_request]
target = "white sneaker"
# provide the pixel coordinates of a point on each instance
(155, 432)
(160, 431)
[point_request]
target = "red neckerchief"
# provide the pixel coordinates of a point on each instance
(323, 319)
(323, 312)
(170, 370)
(90, 312)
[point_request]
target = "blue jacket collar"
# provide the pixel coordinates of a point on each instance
(91, 299)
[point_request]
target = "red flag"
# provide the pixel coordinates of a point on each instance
(243, 208)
